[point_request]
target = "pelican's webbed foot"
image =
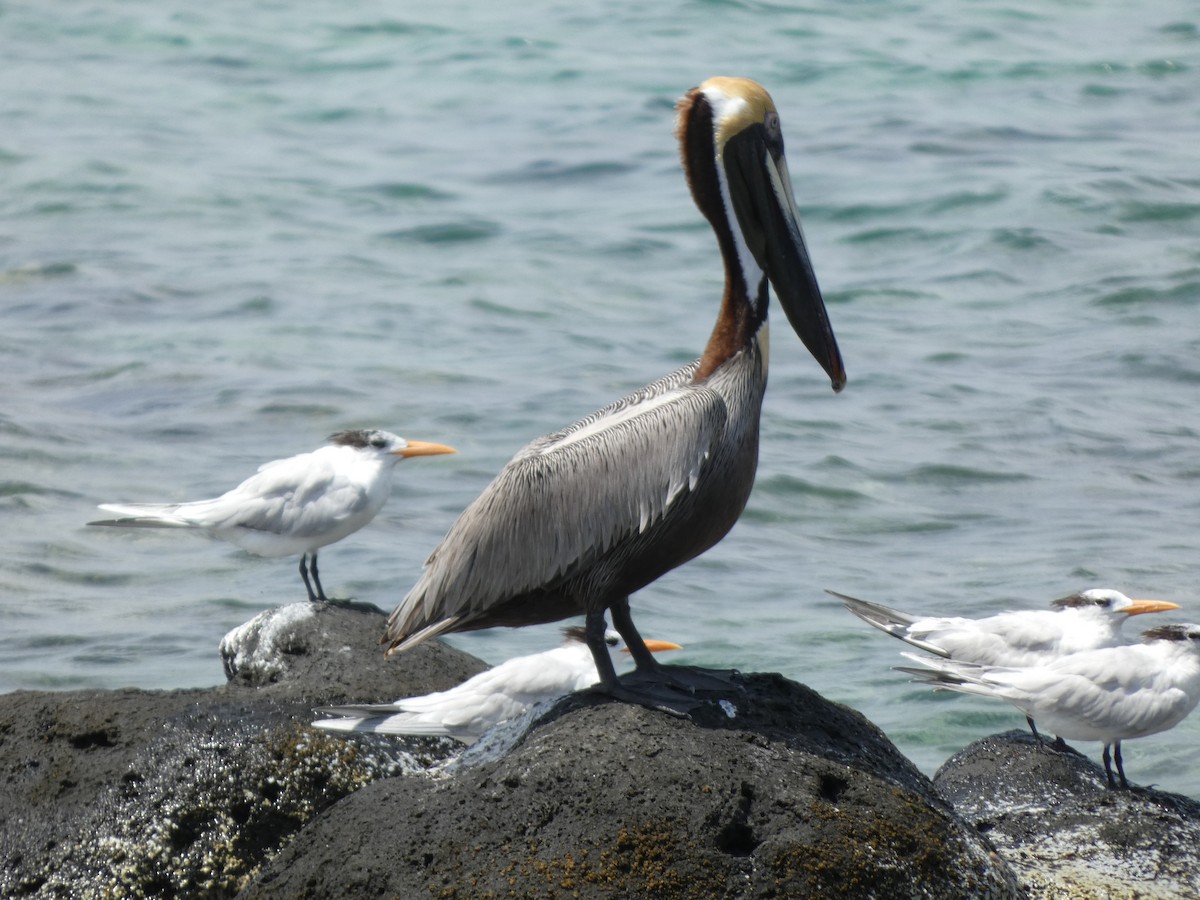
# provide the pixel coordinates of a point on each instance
(678, 690)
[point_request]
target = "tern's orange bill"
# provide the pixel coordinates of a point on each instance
(423, 448)
(656, 646)
(1146, 606)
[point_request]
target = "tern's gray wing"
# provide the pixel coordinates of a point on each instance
(565, 500)
(301, 497)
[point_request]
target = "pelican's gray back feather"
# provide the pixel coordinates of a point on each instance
(567, 499)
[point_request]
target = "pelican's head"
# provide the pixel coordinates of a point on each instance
(732, 148)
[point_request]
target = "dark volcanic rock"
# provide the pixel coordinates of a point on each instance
(792, 797)
(183, 793)
(1051, 815)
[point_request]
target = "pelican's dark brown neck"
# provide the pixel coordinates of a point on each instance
(739, 319)
(737, 324)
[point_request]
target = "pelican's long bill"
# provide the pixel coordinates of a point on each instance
(766, 210)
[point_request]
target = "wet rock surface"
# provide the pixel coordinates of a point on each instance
(791, 797)
(1051, 815)
(228, 792)
(135, 793)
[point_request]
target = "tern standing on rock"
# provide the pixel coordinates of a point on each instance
(1087, 620)
(1109, 695)
(293, 505)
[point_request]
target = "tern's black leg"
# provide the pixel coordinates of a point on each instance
(312, 565)
(1120, 765)
(1037, 737)
(304, 574)
(1112, 783)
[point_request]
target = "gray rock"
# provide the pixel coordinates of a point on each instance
(1051, 815)
(183, 793)
(791, 797)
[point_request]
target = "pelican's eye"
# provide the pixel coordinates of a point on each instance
(773, 133)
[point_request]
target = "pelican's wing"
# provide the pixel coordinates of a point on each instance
(563, 501)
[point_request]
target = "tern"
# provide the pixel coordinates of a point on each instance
(1084, 621)
(1109, 695)
(1087, 620)
(583, 517)
(293, 505)
(478, 704)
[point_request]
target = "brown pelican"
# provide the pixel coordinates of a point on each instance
(583, 517)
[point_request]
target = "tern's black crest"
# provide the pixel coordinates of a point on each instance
(578, 634)
(1172, 633)
(1079, 601)
(356, 438)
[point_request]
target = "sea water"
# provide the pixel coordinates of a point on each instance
(230, 229)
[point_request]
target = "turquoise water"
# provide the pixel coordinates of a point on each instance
(228, 230)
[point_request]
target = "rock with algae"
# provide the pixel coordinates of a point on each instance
(136, 793)
(779, 794)
(1051, 815)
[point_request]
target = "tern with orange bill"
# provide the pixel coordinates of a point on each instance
(293, 505)
(1108, 695)
(480, 703)
(1087, 620)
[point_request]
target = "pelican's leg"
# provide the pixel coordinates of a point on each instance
(687, 679)
(623, 622)
(593, 634)
(304, 574)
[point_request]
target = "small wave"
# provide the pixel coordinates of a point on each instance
(401, 190)
(446, 232)
(26, 488)
(950, 474)
(1158, 212)
(790, 485)
(1187, 293)
(544, 170)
